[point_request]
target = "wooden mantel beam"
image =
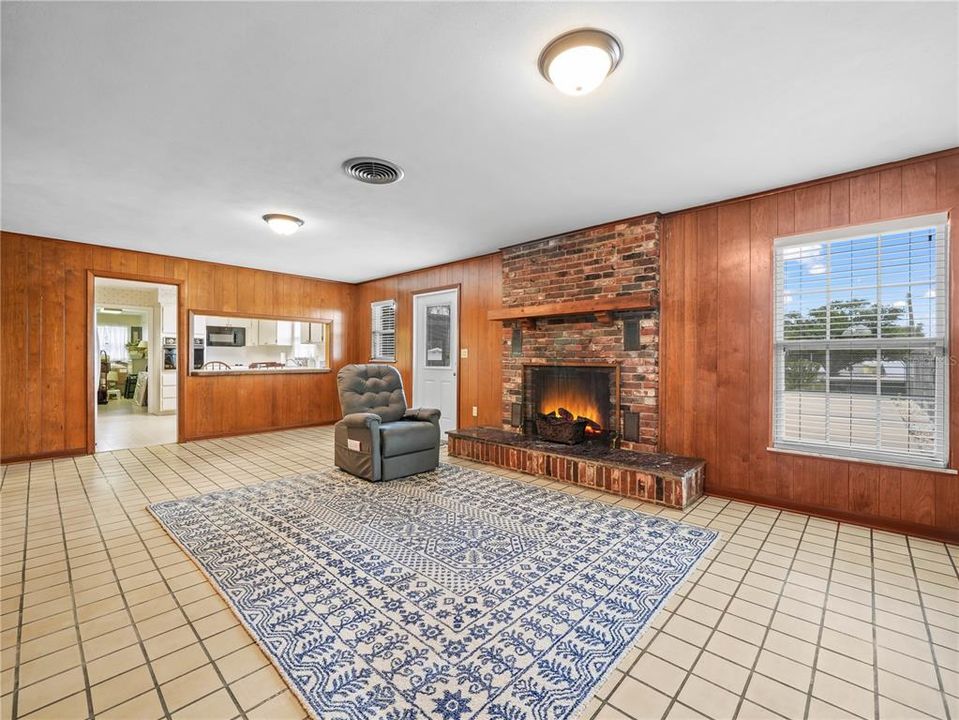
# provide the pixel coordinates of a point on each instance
(603, 308)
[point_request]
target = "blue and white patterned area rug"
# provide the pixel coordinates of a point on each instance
(454, 594)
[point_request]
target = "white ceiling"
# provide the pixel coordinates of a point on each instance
(172, 127)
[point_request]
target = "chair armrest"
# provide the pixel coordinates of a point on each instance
(423, 415)
(362, 420)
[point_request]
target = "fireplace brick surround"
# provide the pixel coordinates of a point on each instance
(615, 266)
(612, 260)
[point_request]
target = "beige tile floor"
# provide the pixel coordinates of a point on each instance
(788, 615)
(122, 425)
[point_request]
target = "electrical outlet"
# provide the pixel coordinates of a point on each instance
(464, 352)
(475, 411)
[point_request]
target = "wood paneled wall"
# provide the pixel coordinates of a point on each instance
(716, 352)
(717, 347)
(480, 375)
(45, 321)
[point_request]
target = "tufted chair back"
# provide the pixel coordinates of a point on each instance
(372, 388)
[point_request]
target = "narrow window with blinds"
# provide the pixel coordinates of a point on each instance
(383, 342)
(861, 343)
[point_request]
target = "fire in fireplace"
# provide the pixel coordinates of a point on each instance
(571, 403)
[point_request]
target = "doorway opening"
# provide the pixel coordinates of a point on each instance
(134, 348)
(436, 354)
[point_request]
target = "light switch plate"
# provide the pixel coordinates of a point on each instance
(354, 445)
(475, 411)
(464, 352)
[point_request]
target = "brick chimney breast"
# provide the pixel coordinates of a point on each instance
(612, 260)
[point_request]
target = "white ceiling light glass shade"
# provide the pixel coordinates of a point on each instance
(283, 224)
(577, 62)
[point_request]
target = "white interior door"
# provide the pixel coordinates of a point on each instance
(436, 353)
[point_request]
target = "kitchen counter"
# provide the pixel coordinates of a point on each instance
(261, 371)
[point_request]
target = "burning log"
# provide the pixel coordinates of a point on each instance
(564, 427)
(591, 425)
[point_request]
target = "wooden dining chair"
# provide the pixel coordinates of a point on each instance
(215, 365)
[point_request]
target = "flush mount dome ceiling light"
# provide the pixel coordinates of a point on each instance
(577, 62)
(283, 224)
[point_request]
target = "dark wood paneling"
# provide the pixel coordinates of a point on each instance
(890, 487)
(673, 302)
(764, 219)
(710, 300)
(919, 187)
(689, 328)
(917, 497)
(812, 208)
(864, 198)
(839, 202)
(480, 374)
(890, 192)
(733, 343)
(705, 426)
(45, 330)
(864, 489)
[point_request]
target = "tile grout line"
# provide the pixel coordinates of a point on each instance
(179, 606)
(129, 613)
(875, 630)
(73, 603)
(773, 610)
(925, 623)
(23, 585)
(822, 622)
(714, 629)
(655, 632)
(689, 673)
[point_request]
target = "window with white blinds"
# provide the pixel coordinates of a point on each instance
(383, 342)
(861, 339)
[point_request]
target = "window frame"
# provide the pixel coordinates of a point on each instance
(939, 344)
(375, 332)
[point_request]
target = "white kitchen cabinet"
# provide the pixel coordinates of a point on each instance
(168, 320)
(168, 391)
(199, 326)
(267, 332)
(252, 331)
(284, 332)
(301, 332)
(310, 332)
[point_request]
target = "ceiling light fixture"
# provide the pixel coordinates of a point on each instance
(283, 224)
(577, 62)
(111, 311)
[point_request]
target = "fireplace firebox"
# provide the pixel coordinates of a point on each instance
(571, 403)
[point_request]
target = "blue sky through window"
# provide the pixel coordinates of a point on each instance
(893, 274)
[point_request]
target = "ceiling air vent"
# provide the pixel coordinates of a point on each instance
(373, 170)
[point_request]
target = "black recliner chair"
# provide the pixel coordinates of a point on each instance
(378, 437)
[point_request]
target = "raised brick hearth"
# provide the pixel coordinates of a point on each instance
(662, 479)
(613, 261)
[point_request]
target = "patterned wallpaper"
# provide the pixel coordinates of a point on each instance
(123, 296)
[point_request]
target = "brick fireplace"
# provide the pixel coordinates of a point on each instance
(580, 346)
(612, 261)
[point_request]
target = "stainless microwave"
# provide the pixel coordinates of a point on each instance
(220, 336)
